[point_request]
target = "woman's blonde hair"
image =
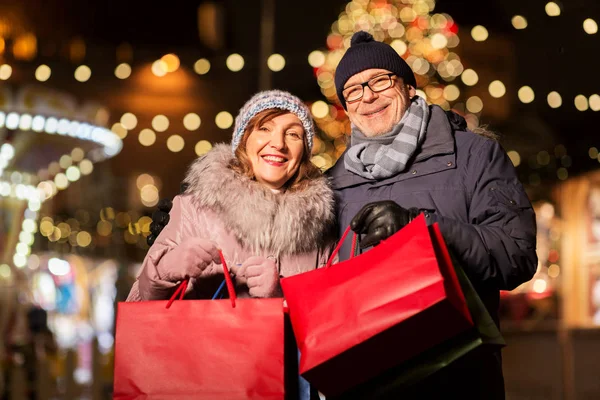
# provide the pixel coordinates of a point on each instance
(241, 163)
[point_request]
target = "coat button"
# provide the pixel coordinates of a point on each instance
(414, 172)
(449, 163)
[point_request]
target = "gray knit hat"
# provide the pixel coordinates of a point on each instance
(272, 99)
(366, 53)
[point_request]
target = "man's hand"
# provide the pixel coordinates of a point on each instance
(160, 217)
(380, 220)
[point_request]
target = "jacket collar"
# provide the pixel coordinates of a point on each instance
(292, 222)
(439, 146)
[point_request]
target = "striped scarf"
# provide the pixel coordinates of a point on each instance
(386, 155)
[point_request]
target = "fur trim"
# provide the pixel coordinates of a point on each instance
(292, 222)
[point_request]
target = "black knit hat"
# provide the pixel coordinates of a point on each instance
(366, 53)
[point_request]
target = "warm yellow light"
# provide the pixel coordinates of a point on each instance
(276, 62)
(160, 123)
(147, 137)
(562, 173)
(319, 109)
(469, 77)
(399, 46)
(581, 102)
(123, 71)
(451, 92)
(175, 143)
(553, 271)
(595, 102)
(479, 33)
(84, 239)
(42, 73)
(316, 59)
(590, 26)
(172, 62)
(202, 147)
(318, 161)
(61, 181)
(554, 99)
(519, 22)
(474, 104)
(149, 195)
(119, 129)
(73, 174)
(46, 227)
(65, 161)
(77, 154)
(526, 94)
(224, 120)
(143, 180)
(104, 228)
(191, 121)
(5, 71)
(159, 68)
(83, 73)
(235, 62)
(552, 9)
(439, 41)
(407, 14)
(497, 89)
(202, 66)
(129, 121)
(144, 223)
(515, 157)
(86, 167)
(593, 153)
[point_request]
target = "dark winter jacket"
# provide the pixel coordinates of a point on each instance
(467, 184)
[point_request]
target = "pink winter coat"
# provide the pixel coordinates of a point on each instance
(244, 219)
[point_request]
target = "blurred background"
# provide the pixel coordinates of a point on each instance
(103, 106)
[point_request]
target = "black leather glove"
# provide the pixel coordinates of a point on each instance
(380, 220)
(160, 217)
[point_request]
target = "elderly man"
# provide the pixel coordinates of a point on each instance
(405, 158)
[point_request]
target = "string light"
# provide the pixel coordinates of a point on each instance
(224, 120)
(191, 121)
(554, 99)
(479, 33)
(526, 94)
(276, 62)
(552, 9)
(519, 22)
(83, 73)
(123, 71)
(497, 89)
(42, 73)
(202, 66)
(202, 147)
(235, 62)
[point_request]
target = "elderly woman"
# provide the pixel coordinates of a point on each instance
(260, 201)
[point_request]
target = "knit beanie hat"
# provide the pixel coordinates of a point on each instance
(272, 99)
(366, 53)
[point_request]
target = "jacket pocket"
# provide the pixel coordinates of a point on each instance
(510, 196)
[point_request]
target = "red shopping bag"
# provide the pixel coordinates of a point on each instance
(358, 318)
(200, 349)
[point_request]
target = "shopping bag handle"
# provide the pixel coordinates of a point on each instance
(184, 284)
(339, 245)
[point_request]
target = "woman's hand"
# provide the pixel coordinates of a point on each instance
(189, 259)
(262, 276)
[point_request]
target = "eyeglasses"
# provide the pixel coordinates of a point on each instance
(377, 84)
